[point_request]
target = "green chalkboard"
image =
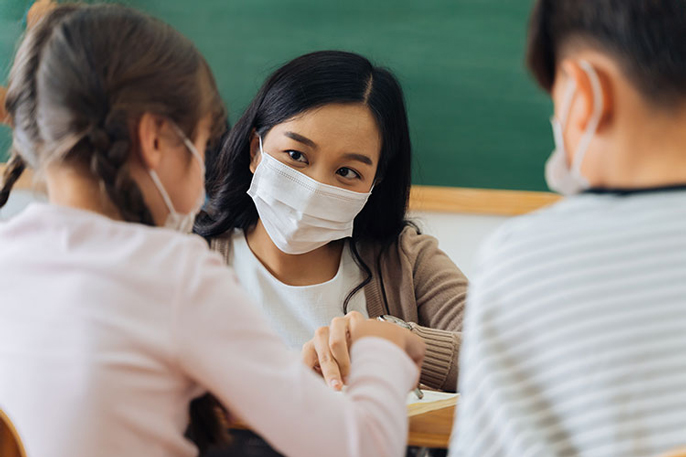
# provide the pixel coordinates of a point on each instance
(477, 118)
(12, 19)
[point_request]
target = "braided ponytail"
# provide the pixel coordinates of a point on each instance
(15, 167)
(110, 149)
(21, 101)
(81, 80)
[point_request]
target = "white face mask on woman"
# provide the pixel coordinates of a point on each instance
(558, 175)
(299, 213)
(177, 221)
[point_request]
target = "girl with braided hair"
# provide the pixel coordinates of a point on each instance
(110, 321)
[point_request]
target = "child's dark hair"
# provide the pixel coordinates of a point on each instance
(647, 38)
(81, 79)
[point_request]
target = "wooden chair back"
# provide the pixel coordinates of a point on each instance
(10, 444)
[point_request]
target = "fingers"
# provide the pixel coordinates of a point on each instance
(339, 343)
(327, 363)
(309, 355)
(355, 317)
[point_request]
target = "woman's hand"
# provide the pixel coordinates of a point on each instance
(328, 353)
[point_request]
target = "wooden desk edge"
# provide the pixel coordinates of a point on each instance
(428, 440)
(432, 429)
(478, 201)
(438, 199)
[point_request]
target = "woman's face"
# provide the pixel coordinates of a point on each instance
(337, 144)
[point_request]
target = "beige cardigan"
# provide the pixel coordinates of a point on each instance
(417, 282)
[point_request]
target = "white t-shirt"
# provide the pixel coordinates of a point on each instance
(297, 311)
(108, 330)
(575, 334)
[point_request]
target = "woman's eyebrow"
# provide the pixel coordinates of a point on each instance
(358, 157)
(349, 155)
(301, 139)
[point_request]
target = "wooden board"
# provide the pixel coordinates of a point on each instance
(478, 201)
(10, 445)
(438, 199)
(417, 409)
(432, 429)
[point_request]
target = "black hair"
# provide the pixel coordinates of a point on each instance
(646, 37)
(305, 83)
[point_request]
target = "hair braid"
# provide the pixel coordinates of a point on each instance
(15, 167)
(110, 147)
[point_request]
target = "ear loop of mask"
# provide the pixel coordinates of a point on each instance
(191, 147)
(156, 179)
(559, 125)
(567, 103)
(259, 137)
(593, 124)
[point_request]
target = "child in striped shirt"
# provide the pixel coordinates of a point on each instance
(575, 328)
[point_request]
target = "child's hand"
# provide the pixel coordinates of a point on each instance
(412, 344)
(328, 353)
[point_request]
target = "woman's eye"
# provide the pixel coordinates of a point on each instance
(348, 173)
(297, 156)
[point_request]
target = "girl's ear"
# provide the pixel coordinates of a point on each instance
(149, 140)
(255, 155)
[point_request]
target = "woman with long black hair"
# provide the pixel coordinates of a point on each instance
(308, 199)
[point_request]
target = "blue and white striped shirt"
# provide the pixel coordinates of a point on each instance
(575, 333)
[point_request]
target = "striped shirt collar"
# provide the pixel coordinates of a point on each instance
(635, 191)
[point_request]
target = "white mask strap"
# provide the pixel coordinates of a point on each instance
(191, 147)
(259, 137)
(595, 118)
(162, 191)
(156, 179)
(567, 103)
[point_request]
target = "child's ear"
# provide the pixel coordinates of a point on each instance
(255, 155)
(586, 96)
(149, 140)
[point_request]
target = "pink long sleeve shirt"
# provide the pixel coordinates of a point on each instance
(109, 329)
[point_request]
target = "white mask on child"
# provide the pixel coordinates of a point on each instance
(559, 176)
(299, 213)
(177, 221)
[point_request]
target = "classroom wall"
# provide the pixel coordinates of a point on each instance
(459, 235)
(18, 201)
